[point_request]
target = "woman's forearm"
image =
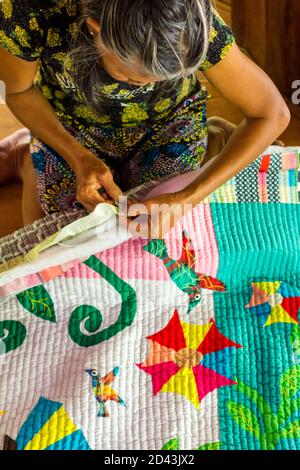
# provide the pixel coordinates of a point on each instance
(34, 111)
(250, 139)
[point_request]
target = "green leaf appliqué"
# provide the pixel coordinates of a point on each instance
(38, 302)
(173, 444)
(210, 446)
(295, 341)
(292, 430)
(290, 383)
(244, 417)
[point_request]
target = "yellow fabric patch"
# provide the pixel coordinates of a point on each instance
(206, 65)
(53, 38)
(83, 112)
(279, 315)
(33, 24)
(194, 334)
(108, 89)
(162, 105)
(60, 56)
(22, 36)
(7, 8)
(69, 5)
(268, 287)
(56, 428)
(73, 28)
(213, 34)
(9, 44)
(103, 119)
(226, 50)
(183, 383)
(185, 88)
(123, 93)
(134, 112)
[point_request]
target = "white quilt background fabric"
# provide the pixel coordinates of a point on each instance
(50, 364)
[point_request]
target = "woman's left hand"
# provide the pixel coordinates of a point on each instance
(154, 218)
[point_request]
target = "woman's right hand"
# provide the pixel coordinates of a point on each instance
(93, 174)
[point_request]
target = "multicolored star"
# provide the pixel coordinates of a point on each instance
(189, 359)
(275, 302)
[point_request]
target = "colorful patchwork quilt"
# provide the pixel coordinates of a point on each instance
(192, 342)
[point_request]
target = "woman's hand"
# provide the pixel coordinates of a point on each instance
(154, 218)
(92, 175)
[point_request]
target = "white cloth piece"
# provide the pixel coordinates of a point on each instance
(103, 237)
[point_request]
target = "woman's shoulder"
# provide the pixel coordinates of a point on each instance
(28, 26)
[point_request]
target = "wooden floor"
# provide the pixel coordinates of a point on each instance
(10, 196)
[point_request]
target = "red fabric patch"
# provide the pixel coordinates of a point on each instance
(265, 164)
(160, 373)
(215, 341)
(172, 335)
(291, 305)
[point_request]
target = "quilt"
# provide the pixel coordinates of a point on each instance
(192, 342)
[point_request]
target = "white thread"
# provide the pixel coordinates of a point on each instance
(5, 300)
(64, 245)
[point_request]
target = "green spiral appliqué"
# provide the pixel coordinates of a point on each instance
(91, 318)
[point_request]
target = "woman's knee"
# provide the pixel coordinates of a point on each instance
(25, 167)
(14, 150)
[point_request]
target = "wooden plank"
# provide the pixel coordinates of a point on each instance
(224, 9)
(269, 30)
(249, 26)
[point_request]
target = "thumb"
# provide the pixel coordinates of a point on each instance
(114, 191)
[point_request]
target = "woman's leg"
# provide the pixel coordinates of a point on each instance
(12, 150)
(219, 132)
(31, 208)
(16, 165)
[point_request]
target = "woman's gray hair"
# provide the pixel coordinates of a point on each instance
(170, 38)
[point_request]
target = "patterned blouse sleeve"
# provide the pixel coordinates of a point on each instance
(221, 40)
(21, 32)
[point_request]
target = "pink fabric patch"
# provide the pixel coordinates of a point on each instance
(289, 161)
(160, 374)
(259, 297)
(20, 285)
(32, 280)
(263, 188)
(131, 261)
(208, 380)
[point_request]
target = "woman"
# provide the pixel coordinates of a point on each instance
(109, 93)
